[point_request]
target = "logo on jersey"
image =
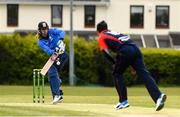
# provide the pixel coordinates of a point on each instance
(119, 36)
(50, 38)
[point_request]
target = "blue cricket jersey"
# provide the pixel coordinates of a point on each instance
(49, 44)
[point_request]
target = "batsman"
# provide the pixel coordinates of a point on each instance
(51, 42)
(127, 54)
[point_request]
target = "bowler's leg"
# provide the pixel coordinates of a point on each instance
(120, 66)
(144, 74)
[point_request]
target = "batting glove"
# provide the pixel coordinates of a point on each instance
(61, 47)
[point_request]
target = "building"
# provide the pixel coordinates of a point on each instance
(151, 23)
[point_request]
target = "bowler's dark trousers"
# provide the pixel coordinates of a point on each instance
(130, 55)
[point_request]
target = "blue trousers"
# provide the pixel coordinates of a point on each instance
(53, 75)
(130, 55)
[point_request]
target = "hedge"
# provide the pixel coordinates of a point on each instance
(20, 55)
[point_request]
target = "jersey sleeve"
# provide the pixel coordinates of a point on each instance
(45, 48)
(102, 43)
(59, 33)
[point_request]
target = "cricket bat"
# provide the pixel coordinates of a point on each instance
(48, 64)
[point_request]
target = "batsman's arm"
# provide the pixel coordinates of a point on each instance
(45, 48)
(108, 56)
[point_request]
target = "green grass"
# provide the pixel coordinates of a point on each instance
(80, 101)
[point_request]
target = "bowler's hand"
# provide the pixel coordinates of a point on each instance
(133, 72)
(113, 66)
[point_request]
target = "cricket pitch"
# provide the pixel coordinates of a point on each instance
(99, 110)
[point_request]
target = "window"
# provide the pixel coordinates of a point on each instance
(12, 15)
(137, 16)
(150, 41)
(56, 15)
(164, 41)
(90, 16)
(137, 39)
(162, 16)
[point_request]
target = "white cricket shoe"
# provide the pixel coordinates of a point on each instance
(121, 105)
(160, 102)
(57, 99)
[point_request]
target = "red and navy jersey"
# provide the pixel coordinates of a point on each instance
(112, 40)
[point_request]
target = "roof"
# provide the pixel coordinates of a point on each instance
(62, 2)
